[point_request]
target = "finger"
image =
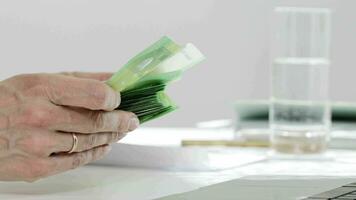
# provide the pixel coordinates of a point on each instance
(80, 92)
(85, 141)
(64, 162)
(85, 121)
(100, 76)
(44, 115)
(42, 143)
(36, 142)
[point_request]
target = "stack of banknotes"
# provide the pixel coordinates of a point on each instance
(142, 81)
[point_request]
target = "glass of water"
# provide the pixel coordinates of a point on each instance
(300, 112)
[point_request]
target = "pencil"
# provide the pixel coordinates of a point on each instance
(230, 143)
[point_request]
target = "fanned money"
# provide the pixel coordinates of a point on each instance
(143, 80)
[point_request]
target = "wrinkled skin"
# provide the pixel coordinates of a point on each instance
(39, 113)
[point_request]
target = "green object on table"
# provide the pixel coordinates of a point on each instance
(144, 78)
(258, 110)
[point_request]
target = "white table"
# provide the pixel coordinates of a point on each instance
(100, 182)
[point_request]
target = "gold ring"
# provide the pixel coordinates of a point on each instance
(75, 143)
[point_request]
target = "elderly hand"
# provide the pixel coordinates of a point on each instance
(40, 112)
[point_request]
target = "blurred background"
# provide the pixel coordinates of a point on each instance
(88, 35)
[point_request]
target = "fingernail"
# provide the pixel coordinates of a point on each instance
(113, 100)
(133, 124)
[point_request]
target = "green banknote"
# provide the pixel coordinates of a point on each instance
(143, 80)
(143, 63)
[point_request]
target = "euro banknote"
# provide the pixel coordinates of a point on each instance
(143, 80)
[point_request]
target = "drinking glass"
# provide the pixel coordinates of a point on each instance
(299, 114)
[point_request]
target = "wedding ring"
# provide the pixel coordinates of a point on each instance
(75, 144)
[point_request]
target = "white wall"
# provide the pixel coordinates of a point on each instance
(88, 35)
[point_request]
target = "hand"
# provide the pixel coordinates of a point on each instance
(39, 113)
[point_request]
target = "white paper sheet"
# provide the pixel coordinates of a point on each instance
(159, 148)
(177, 158)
